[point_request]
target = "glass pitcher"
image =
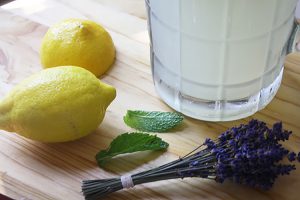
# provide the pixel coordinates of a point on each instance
(219, 60)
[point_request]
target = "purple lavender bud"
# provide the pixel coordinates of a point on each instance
(250, 132)
(209, 143)
(225, 136)
(277, 127)
(279, 133)
(222, 137)
(286, 134)
(232, 143)
(234, 131)
(253, 123)
(285, 169)
(215, 150)
(292, 156)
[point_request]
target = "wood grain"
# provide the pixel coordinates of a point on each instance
(34, 170)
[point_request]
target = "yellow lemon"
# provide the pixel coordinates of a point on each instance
(78, 42)
(56, 105)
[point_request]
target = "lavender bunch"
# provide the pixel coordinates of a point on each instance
(249, 154)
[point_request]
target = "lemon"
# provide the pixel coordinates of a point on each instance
(56, 105)
(78, 42)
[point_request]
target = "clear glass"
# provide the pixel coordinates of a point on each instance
(218, 60)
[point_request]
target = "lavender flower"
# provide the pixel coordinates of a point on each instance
(249, 154)
(292, 156)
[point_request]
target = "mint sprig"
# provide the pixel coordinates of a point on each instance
(154, 121)
(129, 143)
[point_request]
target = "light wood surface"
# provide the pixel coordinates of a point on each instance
(33, 170)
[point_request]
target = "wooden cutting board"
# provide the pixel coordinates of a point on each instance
(33, 170)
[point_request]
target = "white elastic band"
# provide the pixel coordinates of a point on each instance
(126, 181)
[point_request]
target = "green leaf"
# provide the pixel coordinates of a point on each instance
(129, 143)
(152, 121)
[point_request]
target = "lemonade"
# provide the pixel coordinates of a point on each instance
(219, 60)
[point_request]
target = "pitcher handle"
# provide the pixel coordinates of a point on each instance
(294, 40)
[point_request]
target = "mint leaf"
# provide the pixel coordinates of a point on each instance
(129, 143)
(152, 121)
